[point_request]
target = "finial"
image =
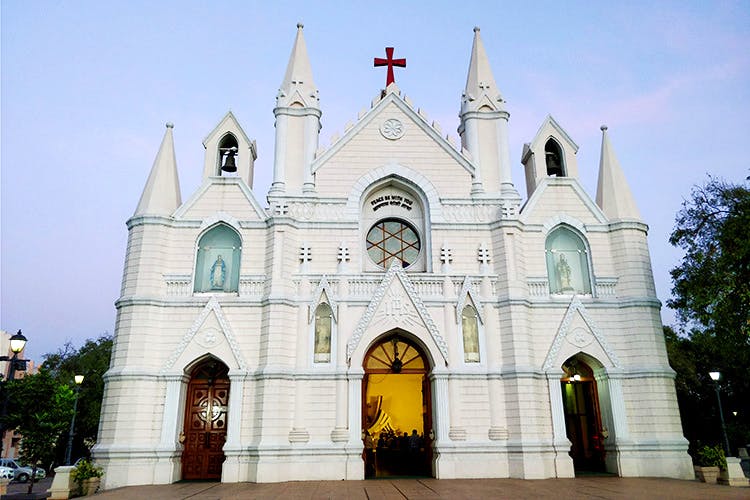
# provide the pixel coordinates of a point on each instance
(300, 25)
(603, 128)
(170, 125)
(476, 29)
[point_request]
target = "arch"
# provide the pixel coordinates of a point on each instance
(397, 406)
(568, 262)
(470, 334)
(394, 224)
(227, 154)
(205, 422)
(323, 333)
(582, 412)
(217, 262)
(554, 158)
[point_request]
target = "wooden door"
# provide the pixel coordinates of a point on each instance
(205, 422)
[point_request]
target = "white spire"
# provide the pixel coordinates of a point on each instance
(612, 193)
(298, 84)
(481, 89)
(161, 196)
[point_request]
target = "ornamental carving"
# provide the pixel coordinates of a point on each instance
(392, 129)
(580, 337)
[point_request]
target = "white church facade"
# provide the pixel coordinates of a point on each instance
(393, 284)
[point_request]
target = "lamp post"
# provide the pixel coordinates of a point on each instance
(17, 343)
(715, 376)
(79, 380)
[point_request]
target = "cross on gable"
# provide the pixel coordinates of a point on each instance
(281, 209)
(483, 85)
(483, 254)
(446, 254)
(343, 255)
(305, 255)
(390, 62)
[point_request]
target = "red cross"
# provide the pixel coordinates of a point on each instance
(390, 62)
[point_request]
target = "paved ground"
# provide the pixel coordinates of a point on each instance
(568, 489)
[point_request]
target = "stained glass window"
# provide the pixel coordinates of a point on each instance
(393, 238)
(323, 323)
(470, 329)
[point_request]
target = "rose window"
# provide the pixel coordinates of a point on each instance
(392, 238)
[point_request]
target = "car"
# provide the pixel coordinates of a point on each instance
(6, 473)
(21, 473)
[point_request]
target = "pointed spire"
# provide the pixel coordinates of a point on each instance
(613, 194)
(298, 81)
(161, 196)
(481, 89)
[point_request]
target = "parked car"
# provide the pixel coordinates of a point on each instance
(21, 473)
(6, 473)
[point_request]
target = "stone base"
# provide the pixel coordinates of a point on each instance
(733, 476)
(63, 486)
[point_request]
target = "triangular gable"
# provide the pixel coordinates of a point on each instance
(579, 339)
(419, 121)
(467, 294)
(419, 313)
(541, 138)
(323, 290)
(243, 190)
(528, 208)
(209, 340)
(227, 124)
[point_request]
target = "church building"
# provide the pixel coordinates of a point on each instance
(394, 308)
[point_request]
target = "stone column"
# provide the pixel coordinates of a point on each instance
(278, 185)
(340, 433)
(440, 414)
(354, 382)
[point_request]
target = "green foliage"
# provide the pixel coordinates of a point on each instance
(711, 456)
(85, 470)
(711, 294)
(91, 361)
(711, 287)
(40, 409)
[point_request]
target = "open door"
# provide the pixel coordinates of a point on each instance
(396, 409)
(205, 427)
(583, 421)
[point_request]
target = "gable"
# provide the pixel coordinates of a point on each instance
(560, 195)
(392, 132)
(396, 304)
(222, 194)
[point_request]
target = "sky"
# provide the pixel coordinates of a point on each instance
(87, 86)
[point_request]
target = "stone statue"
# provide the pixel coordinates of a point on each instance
(218, 273)
(563, 270)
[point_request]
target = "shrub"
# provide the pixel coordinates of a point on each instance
(86, 470)
(711, 456)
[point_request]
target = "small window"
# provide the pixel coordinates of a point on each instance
(323, 324)
(218, 263)
(393, 238)
(553, 155)
(567, 263)
(470, 329)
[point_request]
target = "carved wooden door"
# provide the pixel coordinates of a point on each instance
(205, 422)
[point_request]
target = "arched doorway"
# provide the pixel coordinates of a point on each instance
(205, 428)
(583, 421)
(396, 409)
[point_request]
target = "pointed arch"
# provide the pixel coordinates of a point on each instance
(554, 157)
(217, 261)
(568, 261)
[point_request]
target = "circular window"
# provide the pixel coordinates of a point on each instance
(393, 238)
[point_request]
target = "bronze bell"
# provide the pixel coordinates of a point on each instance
(229, 164)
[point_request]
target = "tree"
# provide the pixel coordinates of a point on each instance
(40, 409)
(711, 294)
(91, 361)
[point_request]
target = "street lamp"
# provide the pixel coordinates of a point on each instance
(715, 376)
(17, 343)
(79, 380)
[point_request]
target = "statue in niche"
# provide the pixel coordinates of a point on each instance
(218, 274)
(564, 272)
